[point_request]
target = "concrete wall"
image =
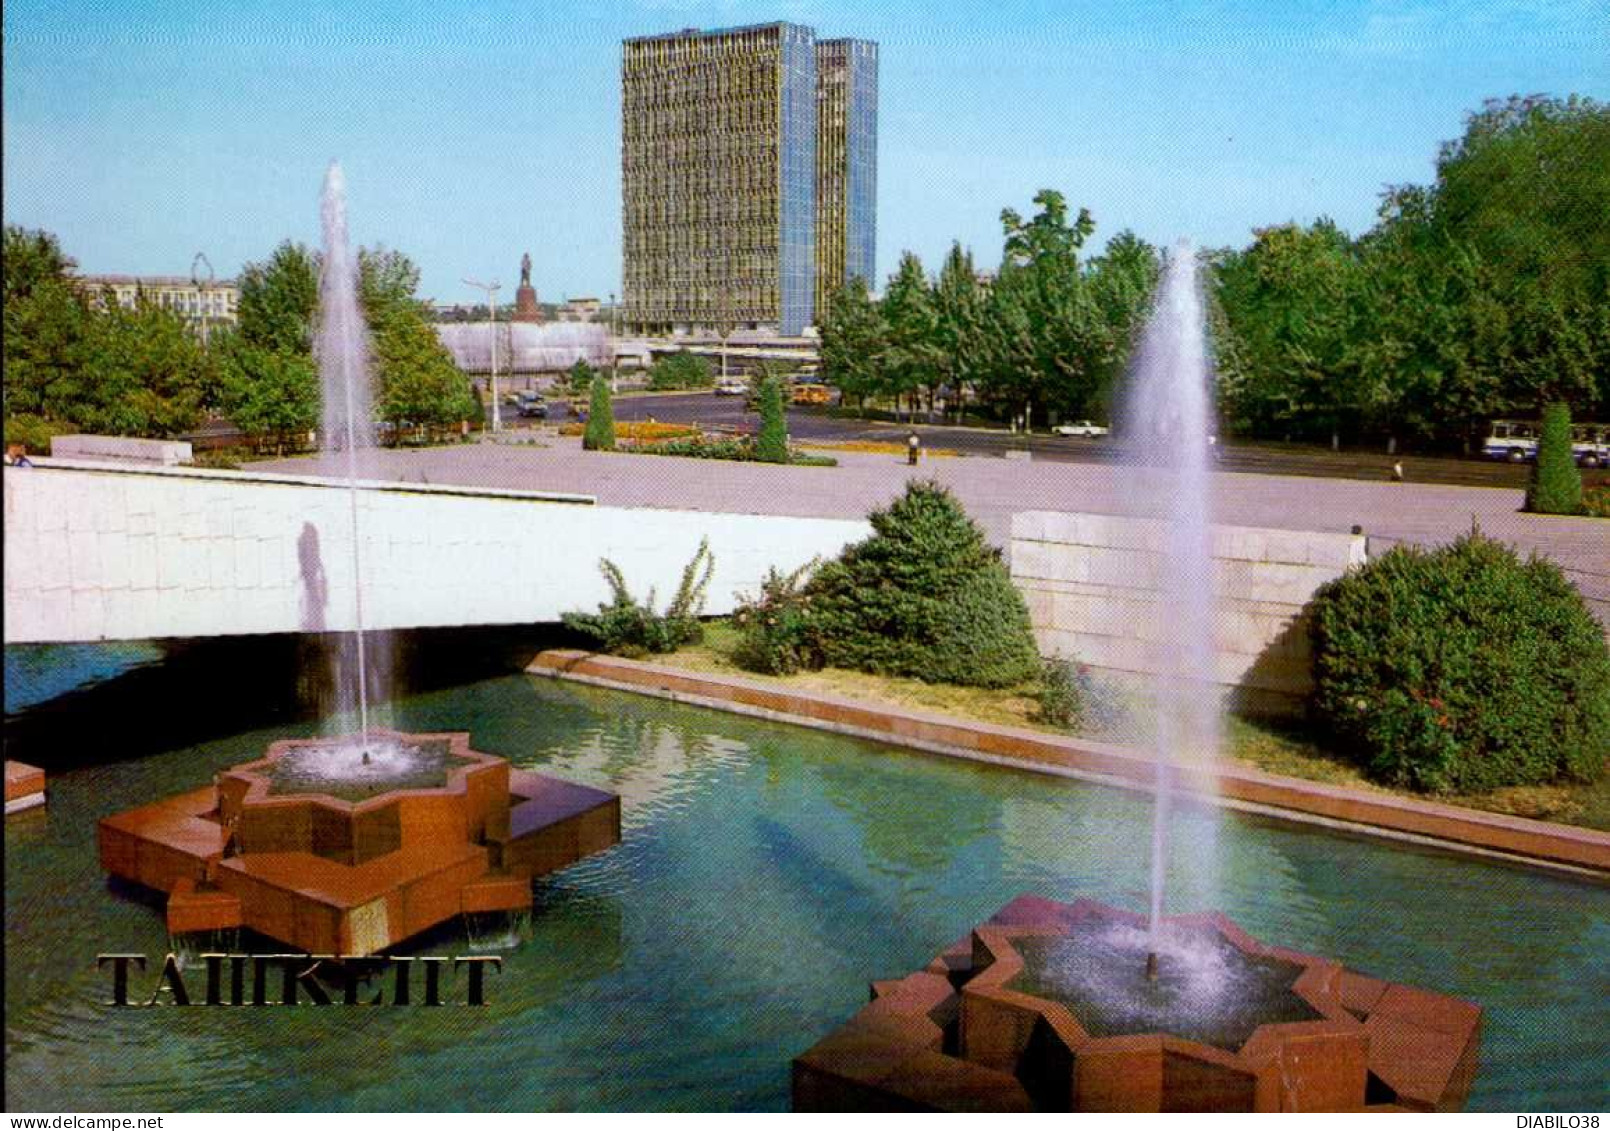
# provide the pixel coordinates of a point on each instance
(1090, 582)
(112, 553)
(169, 453)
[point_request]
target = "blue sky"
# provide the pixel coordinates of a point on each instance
(143, 132)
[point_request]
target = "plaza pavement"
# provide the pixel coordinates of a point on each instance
(993, 489)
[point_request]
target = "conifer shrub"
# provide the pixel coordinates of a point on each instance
(771, 444)
(1556, 484)
(624, 626)
(1461, 669)
(600, 434)
(925, 596)
(1060, 700)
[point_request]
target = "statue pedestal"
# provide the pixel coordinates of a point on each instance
(525, 304)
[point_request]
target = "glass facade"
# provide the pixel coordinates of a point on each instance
(797, 177)
(721, 133)
(846, 165)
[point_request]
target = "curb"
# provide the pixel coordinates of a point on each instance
(1516, 839)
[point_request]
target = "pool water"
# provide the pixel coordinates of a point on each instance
(766, 874)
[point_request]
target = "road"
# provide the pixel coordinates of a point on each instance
(816, 425)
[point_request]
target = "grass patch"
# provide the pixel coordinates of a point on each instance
(1277, 748)
(877, 448)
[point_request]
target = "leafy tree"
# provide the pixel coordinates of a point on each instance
(771, 444)
(416, 379)
(681, 370)
(1556, 484)
(853, 338)
(45, 321)
(143, 370)
(279, 300)
(924, 596)
(600, 433)
(269, 394)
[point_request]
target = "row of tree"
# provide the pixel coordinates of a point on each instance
(81, 361)
(1485, 294)
(1049, 333)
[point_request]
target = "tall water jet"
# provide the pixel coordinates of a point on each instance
(342, 351)
(1167, 425)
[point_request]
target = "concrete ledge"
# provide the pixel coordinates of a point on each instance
(1517, 838)
(125, 448)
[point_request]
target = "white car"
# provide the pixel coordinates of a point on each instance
(1079, 428)
(731, 388)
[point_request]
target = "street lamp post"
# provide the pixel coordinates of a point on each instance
(491, 290)
(203, 285)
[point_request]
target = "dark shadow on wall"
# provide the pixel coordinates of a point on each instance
(204, 689)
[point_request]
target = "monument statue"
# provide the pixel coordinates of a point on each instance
(525, 298)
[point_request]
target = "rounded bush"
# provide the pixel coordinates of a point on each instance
(925, 596)
(1462, 669)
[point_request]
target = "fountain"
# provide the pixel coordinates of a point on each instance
(1083, 1007)
(351, 843)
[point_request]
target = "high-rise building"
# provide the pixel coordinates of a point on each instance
(720, 176)
(846, 164)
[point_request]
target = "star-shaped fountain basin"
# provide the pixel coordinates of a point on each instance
(1228, 1023)
(320, 796)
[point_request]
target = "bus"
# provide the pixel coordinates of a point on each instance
(1516, 441)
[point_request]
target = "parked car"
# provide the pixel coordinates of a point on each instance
(533, 407)
(1079, 428)
(731, 388)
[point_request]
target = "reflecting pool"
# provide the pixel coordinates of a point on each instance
(766, 874)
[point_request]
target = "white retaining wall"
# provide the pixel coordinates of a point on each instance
(101, 553)
(1091, 586)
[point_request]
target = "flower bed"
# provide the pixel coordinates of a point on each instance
(637, 430)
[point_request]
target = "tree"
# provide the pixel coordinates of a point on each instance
(680, 370)
(771, 445)
(959, 309)
(581, 377)
(416, 379)
(279, 300)
(910, 353)
(853, 335)
(45, 322)
(600, 433)
(267, 393)
(143, 370)
(1556, 484)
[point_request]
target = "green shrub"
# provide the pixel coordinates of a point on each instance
(771, 446)
(681, 370)
(1060, 701)
(34, 432)
(626, 627)
(924, 596)
(1462, 669)
(776, 635)
(600, 434)
(581, 377)
(1596, 502)
(1556, 484)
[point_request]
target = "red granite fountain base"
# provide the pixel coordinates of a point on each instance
(965, 1034)
(333, 875)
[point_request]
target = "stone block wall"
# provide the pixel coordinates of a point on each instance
(136, 553)
(1091, 584)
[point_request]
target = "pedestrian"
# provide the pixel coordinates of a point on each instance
(17, 456)
(1397, 471)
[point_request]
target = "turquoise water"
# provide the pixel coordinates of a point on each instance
(766, 874)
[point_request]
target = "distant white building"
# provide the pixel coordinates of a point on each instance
(531, 347)
(580, 310)
(213, 302)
